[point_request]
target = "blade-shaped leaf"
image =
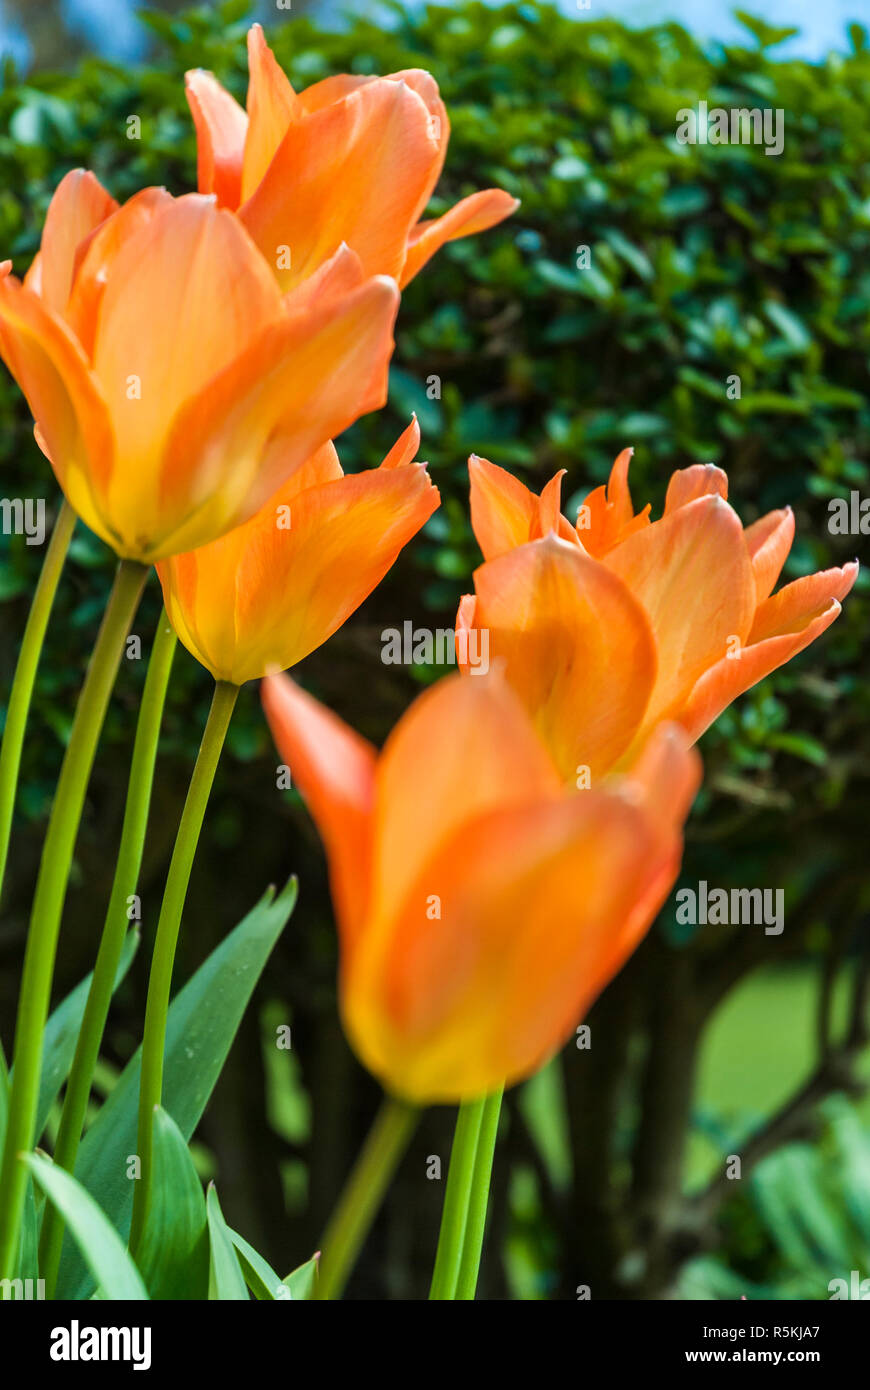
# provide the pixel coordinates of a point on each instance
(302, 1281)
(225, 1279)
(203, 1020)
(260, 1277)
(173, 1255)
(96, 1237)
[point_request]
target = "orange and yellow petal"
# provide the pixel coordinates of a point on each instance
(700, 480)
(221, 127)
(469, 743)
(538, 905)
(334, 769)
(69, 411)
(354, 171)
(606, 516)
(303, 381)
(272, 108)
(577, 647)
(503, 510)
(186, 294)
(476, 213)
(78, 206)
(273, 590)
(692, 574)
(769, 540)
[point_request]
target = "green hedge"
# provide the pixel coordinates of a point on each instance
(706, 262)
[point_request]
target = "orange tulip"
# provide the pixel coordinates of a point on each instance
(481, 907)
(268, 593)
(614, 624)
(351, 159)
(173, 387)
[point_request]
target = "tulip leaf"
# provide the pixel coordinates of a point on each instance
(173, 1254)
(226, 1282)
(203, 1020)
(260, 1277)
(302, 1281)
(103, 1250)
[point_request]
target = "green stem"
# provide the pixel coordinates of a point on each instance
(466, 1284)
(114, 934)
(363, 1194)
(25, 673)
(49, 897)
(455, 1213)
(166, 940)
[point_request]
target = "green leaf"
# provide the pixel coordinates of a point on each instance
(801, 745)
(786, 322)
(96, 1237)
(260, 1277)
(173, 1254)
(62, 1031)
(302, 1281)
(226, 1282)
(766, 34)
(203, 1020)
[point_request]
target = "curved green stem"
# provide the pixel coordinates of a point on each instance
(466, 1284)
(363, 1194)
(455, 1213)
(114, 933)
(163, 959)
(25, 673)
(50, 892)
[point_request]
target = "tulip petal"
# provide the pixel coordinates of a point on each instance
(303, 381)
(769, 540)
(334, 769)
(221, 127)
(800, 603)
(701, 480)
(334, 279)
(548, 513)
(71, 417)
(503, 509)
(606, 516)
(354, 171)
(187, 293)
(463, 732)
(275, 589)
(97, 256)
(272, 108)
(730, 677)
(405, 448)
(476, 213)
(665, 776)
(79, 205)
(577, 646)
(335, 89)
(692, 574)
(538, 906)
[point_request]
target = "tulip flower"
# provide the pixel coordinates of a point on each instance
(174, 388)
(481, 907)
(352, 159)
(614, 624)
(265, 595)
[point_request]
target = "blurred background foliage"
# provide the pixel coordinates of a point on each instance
(706, 262)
